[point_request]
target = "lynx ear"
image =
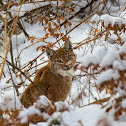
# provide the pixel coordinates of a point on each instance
(50, 52)
(68, 45)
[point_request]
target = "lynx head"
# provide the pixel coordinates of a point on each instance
(62, 60)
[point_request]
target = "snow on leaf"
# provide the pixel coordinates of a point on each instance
(108, 19)
(111, 56)
(89, 59)
(123, 103)
(24, 114)
(107, 75)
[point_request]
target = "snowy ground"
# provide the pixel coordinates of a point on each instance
(76, 116)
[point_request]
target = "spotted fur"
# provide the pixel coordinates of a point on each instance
(53, 80)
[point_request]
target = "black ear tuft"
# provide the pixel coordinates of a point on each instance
(68, 45)
(50, 52)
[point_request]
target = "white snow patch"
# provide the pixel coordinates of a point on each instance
(95, 19)
(107, 75)
(89, 59)
(123, 49)
(9, 100)
(23, 115)
(25, 7)
(43, 101)
(108, 19)
(88, 116)
(123, 103)
(111, 56)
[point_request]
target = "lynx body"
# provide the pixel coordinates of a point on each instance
(53, 80)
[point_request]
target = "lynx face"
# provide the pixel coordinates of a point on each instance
(62, 60)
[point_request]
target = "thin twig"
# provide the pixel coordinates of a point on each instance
(101, 101)
(75, 27)
(22, 74)
(99, 35)
(7, 47)
(15, 86)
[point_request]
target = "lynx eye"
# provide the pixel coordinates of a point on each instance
(59, 61)
(70, 56)
(51, 57)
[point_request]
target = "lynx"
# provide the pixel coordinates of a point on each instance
(53, 80)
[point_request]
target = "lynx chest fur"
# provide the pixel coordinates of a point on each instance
(53, 80)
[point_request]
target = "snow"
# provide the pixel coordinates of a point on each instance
(118, 65)
(123, 103)
(92, 58)
(95, 18)
(87, 115)
(107, 75)
(112, 20)
(123, 49)
(25, 7)
(109, 58)
(23, 115)
(20, 38)
(89, 59)
(99, 52)
(112, 59)
(9, 100)
(108, 19)
(61, 105)
(30, 6)
(42, 102)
